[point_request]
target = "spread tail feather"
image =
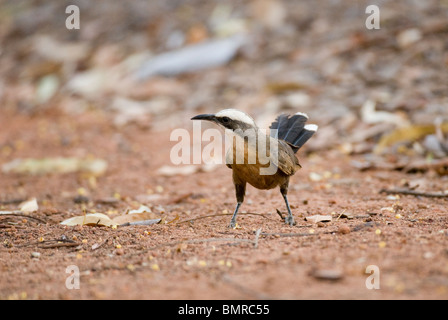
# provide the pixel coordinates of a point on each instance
(292, 129)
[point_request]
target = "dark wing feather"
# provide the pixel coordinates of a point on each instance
(278, 126)
(287, 161)
(291, 129)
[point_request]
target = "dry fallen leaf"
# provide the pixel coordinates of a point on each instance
(91, 219)
(407, 134)
(318, 218)
(29, 206)
(141, 209)
(142, 213)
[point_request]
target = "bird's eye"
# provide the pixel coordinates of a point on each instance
(225, 119)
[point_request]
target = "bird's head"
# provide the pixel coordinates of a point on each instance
(231, 119)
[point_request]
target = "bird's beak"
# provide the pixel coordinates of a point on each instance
(208, 117)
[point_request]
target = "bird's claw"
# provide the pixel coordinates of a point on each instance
(290, 220)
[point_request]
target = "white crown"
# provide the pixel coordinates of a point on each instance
(236, 115)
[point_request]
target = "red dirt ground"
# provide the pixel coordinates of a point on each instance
(197, 256)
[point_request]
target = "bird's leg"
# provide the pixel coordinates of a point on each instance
(233, 220)
(240, 190)
(289, 219)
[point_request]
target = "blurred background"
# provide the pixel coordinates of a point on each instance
(154, 64)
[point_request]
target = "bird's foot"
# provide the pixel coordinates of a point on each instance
(290, 220)
(232, 225)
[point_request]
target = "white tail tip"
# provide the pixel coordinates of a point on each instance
(311, 127)
(302, 114)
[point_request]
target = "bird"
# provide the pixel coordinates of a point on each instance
(263, 160)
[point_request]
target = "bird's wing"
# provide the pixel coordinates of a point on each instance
(287, 161)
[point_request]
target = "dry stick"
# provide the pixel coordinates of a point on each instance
(414, 193)
(20, 214)
(340, 214)
(38, 243)
(140, 223)
(222, 214)
(280, 214)
(6, 226)
(293, 234)
(62, 244)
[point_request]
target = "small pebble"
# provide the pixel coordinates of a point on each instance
(35, 255)
(344, 229)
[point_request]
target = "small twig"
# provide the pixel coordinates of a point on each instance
(141, 223)
(236, 240)
(343, 211)
(42, 243)
(19, 213)
(222, 214)
(414, 193)
(280, 214)
(293, 234)
(62, 244)
(10, 225)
